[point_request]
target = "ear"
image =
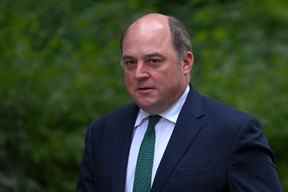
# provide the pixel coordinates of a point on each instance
(188, 61)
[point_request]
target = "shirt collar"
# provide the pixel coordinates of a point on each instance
(142, 115)
(171, 114)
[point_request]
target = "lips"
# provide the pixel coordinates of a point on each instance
(145, 89)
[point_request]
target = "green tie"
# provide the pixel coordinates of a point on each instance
(143, 172)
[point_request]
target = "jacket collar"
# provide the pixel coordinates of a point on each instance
(190, 121)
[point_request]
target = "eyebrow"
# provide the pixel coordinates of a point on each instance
(127, 57)
(153, 55)
(124, 57)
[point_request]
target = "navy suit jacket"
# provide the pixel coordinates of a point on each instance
(213, 149)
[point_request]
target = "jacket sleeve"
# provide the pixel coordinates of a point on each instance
(251, 167)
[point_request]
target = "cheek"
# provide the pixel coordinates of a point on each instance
(129, 82)
(127, 78)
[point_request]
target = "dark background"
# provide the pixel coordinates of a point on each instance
(60, 70)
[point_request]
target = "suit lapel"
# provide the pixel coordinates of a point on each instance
(123, 136)
(188, 125)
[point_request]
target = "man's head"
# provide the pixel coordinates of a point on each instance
(157, 61)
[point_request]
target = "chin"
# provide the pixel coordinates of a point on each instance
(152, 108)
(146, 106)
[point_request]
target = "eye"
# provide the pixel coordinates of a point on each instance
(154, 61)
(129, 63)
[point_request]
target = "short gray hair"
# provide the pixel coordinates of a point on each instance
(181, 39)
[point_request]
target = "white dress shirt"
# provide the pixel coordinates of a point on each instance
(163, 131)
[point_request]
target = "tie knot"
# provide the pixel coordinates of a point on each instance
(153, 120)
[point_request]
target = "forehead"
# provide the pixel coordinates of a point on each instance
(147, 36)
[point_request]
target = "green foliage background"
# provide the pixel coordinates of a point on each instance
(59, 70)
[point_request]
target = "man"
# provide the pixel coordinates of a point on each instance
(194, 144)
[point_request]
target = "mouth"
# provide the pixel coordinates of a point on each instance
(145, 89)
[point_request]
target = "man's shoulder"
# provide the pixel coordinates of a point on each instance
(220, 111)
(122, 112)
(110, 120)
(119, 114)
(228, 121)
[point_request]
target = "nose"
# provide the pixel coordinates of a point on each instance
(141, 71)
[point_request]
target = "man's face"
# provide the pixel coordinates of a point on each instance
(153, 74)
